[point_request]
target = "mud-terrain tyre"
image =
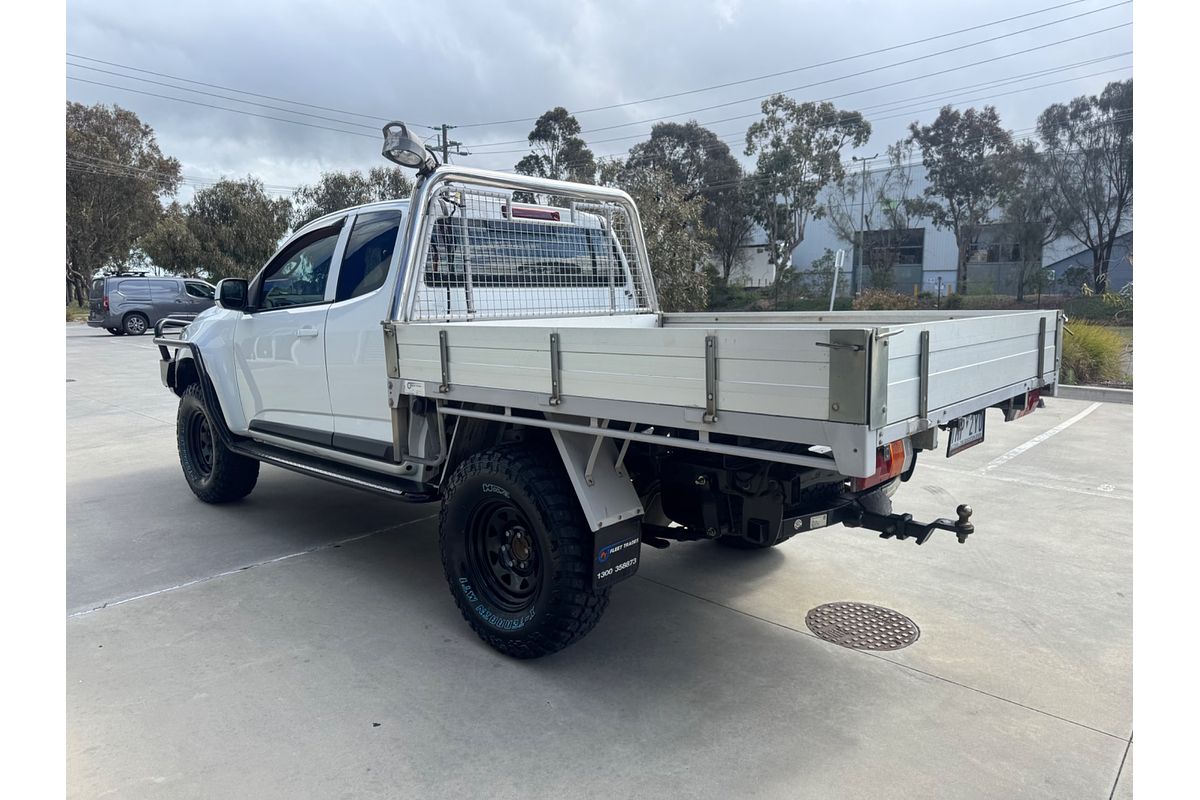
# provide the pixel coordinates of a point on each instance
(214, 473)
(517, 551)
(135, 324)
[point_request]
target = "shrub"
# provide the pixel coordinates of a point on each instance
(77, 313)
(883, 300)
(1091, 354)
(1107, 309)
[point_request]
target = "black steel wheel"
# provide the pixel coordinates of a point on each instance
(135, 324)
(517, 552)
(214, 473)
(200, 442)
(502, 554)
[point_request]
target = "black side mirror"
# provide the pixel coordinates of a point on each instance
(232, 293)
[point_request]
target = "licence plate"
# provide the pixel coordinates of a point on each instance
(965, 432)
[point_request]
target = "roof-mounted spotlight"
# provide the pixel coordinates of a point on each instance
(403, 148)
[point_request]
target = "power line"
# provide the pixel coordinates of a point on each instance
(221, 108)
(225, 97)
(733, 136)
(232, 89)
(794, 70)
(583, 111)
(874, 88)
(866, 72)
(947, 92)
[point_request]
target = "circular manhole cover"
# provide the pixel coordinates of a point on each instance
(862, 626)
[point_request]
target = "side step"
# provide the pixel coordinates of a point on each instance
(394, 487)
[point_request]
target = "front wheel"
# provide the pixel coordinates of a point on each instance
(517, 552)
(215, 473)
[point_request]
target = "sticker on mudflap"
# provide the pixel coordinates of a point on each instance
(618, 552)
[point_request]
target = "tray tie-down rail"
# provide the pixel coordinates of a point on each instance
(850, 513)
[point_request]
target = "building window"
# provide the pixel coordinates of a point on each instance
(1002, 252)
(895, 248)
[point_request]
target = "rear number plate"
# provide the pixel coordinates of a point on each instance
(965, 432)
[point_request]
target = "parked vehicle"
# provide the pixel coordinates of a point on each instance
(525, 377)
(133, 304)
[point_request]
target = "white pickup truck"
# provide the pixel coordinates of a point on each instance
(509, 359)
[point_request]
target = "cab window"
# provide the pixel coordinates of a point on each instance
(299, 275)
(368, 253)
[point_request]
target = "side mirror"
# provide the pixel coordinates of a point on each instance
(232, 293)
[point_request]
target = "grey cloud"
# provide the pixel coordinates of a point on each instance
(467, 62)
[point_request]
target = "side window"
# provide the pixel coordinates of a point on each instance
(298, 276)
(202, 290)
(368, 253)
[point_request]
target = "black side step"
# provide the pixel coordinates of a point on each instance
(395, 487)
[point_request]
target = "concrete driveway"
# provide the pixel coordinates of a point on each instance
(303, 643)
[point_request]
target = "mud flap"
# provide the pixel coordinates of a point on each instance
(618, 552)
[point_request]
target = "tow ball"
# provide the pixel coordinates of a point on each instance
(902, 526)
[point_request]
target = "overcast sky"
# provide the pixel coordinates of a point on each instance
(471, 62)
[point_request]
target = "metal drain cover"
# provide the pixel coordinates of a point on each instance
(862, 626)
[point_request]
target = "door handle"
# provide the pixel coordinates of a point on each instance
(307, 332)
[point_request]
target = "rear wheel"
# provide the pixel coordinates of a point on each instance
(135, 324)
(215, 473)
(517, 552)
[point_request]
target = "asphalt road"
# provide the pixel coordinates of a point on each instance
(303, 643)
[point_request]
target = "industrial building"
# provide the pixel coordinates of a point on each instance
(923, 257)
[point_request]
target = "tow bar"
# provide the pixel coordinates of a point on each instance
(890, 526)
(902, 526)
(849, 513)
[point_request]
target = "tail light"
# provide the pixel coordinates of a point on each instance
(531, 213)
(890, 461)
(106, 302)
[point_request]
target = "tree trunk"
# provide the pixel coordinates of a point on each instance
(960, 276)
(1102, 258)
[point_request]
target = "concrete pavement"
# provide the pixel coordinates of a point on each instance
(303, 643)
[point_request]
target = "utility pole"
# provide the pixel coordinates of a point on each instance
(447, 144)
(862, 226)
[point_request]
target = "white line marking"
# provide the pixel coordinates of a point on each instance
(1057, 429)
(235, 570)
(1111, 495)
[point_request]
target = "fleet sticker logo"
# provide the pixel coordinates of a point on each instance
(605, 552)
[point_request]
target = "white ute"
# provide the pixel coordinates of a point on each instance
(494, 343)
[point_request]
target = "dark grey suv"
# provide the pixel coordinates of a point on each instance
(134, 303)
